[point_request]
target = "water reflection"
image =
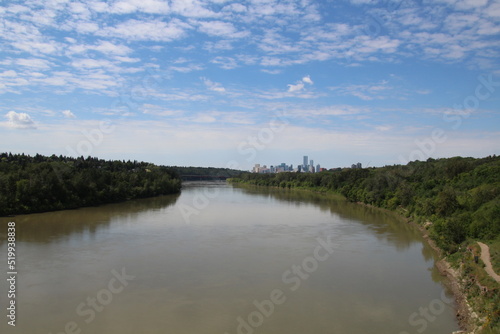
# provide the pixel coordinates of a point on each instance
(50, 226)
(386, 225)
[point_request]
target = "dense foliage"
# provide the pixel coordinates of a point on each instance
(461, 196)
(34, 184)
(205, 173)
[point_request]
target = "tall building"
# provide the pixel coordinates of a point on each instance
(306, 159)
(358, 165)
(311, 163)
(318, 168)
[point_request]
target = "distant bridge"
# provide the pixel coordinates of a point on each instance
(203, 178)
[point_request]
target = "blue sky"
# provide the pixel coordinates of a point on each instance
(234, 83)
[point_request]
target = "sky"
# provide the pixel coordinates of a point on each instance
(234, 83)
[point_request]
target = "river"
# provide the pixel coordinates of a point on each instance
(222, 259)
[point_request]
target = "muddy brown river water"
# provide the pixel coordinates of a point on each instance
(223, 259)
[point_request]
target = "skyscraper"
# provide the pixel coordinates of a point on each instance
(306, 159)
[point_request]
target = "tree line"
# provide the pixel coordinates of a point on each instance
(205, 173)
(460, 196)
(45, 183)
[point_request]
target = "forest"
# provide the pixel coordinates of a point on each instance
(460, 196)
(40, 183)
(205, 173)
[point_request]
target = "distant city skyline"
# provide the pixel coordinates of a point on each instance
(233, 83)
(307, 166)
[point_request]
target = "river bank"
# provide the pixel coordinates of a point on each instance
(466, 316)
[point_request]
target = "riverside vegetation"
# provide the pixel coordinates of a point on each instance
(457, 200)
(40, 183)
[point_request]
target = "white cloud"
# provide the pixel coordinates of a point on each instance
(156, 110)
(274, 43)
(423, 91)
(91, 63)
(9, 73)
(235, 7)
(333, 110)
(363, 2)
(271, 71)
(469, 4)
(110, 48)
(213, 86)
(247, 59)
(384, 128)
(271, 61)
(187, 68)
(307, 79)
(367, 92)
(382, 43)
(493, 10)
(192, 8)
(127, 59)
(295, 88)
(218, 45)
(274, 94)
(34, 63)
(220, 28)
(203, 119)
(300, 84)
(68, 114)
(79, 10)
(153, 30)
(457, 22)
(92, 79)
(227, 63)
(181, 60)
(179, 95)
(19, 120)
(17, 9)
(450, 111)
(233, 117)
(85, 27)
(145, 6)
(35, 47)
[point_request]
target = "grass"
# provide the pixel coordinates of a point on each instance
(488, 304)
